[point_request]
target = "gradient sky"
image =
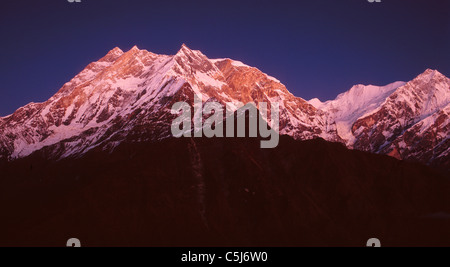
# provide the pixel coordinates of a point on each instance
(317, 48)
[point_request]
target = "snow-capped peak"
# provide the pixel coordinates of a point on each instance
(428, 74)
(360, 100)
(112, 55)
(185, 51)
(116, 51)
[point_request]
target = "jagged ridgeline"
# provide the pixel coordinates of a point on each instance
(129, 96)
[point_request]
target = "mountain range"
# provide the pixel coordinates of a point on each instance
(129, 95)
(97, 162)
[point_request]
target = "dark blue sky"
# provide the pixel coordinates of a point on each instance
(317, 48)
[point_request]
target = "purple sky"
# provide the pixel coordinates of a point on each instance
(317, 48)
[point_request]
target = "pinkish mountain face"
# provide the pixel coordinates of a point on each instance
(404, 120)
(128, 96)
(412, 123)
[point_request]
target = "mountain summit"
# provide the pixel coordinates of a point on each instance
(405, 120)
(129, 95)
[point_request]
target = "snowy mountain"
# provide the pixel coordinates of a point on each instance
(128, 96)
(354, 104)
(405, 120)
(412, 123)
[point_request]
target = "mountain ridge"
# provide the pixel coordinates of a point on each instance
(128, 95)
